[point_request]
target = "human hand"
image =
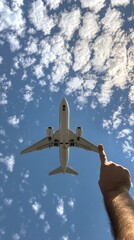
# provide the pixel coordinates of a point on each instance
(113, 177)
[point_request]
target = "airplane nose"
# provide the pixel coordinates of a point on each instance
(64, 100)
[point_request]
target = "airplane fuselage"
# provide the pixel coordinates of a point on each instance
(64, 134)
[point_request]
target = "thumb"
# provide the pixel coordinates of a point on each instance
(102, 154)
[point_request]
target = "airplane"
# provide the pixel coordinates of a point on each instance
(64, 138)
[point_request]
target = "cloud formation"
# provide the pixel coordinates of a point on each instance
(9, 161)
(60, 209)
(82, 49)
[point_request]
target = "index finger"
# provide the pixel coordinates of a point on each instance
(102, 154)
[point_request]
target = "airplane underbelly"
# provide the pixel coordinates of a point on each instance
(64, 152)
(64, 135)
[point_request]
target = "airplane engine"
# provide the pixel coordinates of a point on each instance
(78, 132)
(49, 132)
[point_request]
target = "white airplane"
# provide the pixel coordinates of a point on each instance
(64, 138)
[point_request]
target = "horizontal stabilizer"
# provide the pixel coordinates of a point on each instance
(60, 170)
(70, 170)
(56, 171)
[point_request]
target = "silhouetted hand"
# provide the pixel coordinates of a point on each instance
(113, 177)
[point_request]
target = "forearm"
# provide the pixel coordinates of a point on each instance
(120, 208)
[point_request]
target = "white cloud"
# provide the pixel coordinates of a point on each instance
(2, 131)
(127, 148)
(131, 94)
(46, 227)
(16, 236)
(130, 51)
(12, 72)
(38, 16)
(82, 100)
(73, 85)
(38, 71)
(8, 201)
(60, 49)
(112, 21)
(2, 231)
(42, 83)
(60, 209)
(117, 64)
(55, 51)
(73, 228)
(28, 95)
(83, 87)
(32, 45)
(11, 19)
(14, 121)
(102, 49)
(21, 140)
(123, 133)
(69, 22)
(1, 59)
(24, 76)
(47, 53)
(44, 190)
(16, 4)
(27, 62)
(3, 99)
(42, 216)
(71, 203)
(65, 237)
(95, 5)
(88, 85)
(23, 61)
(104, 96)
(81, 56)
(115, 120)
(59, 72)
(116, 3)
(107, 124)
(54, 4)
(117, 123)
(9, 161)
(13, 42)
(25, 175)
(5, 83)
(131, 119)
(90, 27)
(36, 207)
(111, 50)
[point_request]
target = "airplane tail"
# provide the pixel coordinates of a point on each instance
(60, 170)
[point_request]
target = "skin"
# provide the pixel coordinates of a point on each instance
(114, 184)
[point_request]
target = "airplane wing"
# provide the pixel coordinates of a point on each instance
(81, 143)
(44, 143)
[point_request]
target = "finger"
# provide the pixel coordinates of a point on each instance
(102, 155)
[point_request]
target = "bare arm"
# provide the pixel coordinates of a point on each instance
(114, 184)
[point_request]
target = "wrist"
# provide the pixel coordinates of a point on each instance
(111, 195)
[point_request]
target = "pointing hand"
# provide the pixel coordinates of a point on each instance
(113, 177)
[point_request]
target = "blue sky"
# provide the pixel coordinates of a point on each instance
(81, 50)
